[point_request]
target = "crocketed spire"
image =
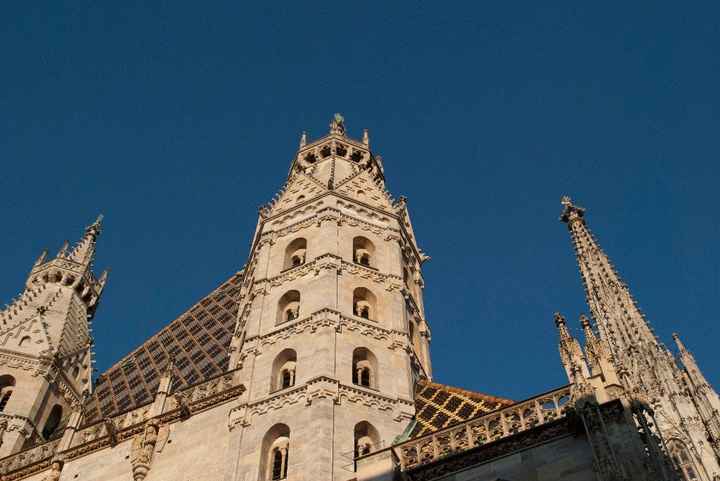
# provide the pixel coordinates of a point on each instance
(620, 322)
(84, 250)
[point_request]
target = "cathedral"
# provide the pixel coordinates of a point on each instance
(312, 363)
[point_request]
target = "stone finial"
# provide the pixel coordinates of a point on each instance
(95, 228)
(561, 324)
(366, 138)
(570, 211)
(303, 139)
(337, 125)
(103, 278)
(63, 250)
(41, 259)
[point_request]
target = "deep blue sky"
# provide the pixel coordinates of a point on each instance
(177, 119)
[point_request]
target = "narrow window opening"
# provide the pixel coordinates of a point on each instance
(4, 400)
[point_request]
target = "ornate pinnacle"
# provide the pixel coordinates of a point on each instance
(41, 258)
(337, 125)
(63, 250)
(679, 343)
(84, 250)
(303, 139)
(570, 211)
(561, 324)
(366, 138)
(95, 228)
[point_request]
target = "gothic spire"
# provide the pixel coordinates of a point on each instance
(84, 250)
(619, 321)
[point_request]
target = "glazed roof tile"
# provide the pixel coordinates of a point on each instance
(439, 405)
(198, 340)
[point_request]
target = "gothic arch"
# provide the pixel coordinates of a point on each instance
(365, 303)
(7, 385)
(295, 253)
(52, 423)
(365, 368)
(288, 307)
(364, 251)
(366, 438)
(284, 370)
(275, 452)
(683, 460)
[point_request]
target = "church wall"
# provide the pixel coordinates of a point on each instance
(311, 433)
(567, 459)
(196, 449)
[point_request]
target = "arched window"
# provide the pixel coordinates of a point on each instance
(283, 370)
(364, 368)
(7, 384)
(363, 251)
(683, 460)
(289, 307)
(366, 438)
(53, 421)
(300, 198)
(275, 453)
(295, 253)
(24, 341)
(364, 303)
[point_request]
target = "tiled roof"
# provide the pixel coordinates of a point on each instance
(439, 405)
(198, 340)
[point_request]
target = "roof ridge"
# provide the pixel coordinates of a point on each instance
(459, 390)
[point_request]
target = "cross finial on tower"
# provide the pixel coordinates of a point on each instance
(570, 210)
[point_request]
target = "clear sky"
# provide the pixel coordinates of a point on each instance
(177, 119)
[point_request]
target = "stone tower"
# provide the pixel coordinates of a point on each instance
(331, 333)
(676, 410)
(46, 345)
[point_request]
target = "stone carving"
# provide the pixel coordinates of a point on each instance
(56, 466)
(143, 449)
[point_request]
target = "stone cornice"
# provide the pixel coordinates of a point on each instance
(329, 318)
(329, 262)
(321, 387)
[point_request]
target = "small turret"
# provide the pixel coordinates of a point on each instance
(47, 328)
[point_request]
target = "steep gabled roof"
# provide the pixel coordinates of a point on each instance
(438, 406)
(198, 340)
